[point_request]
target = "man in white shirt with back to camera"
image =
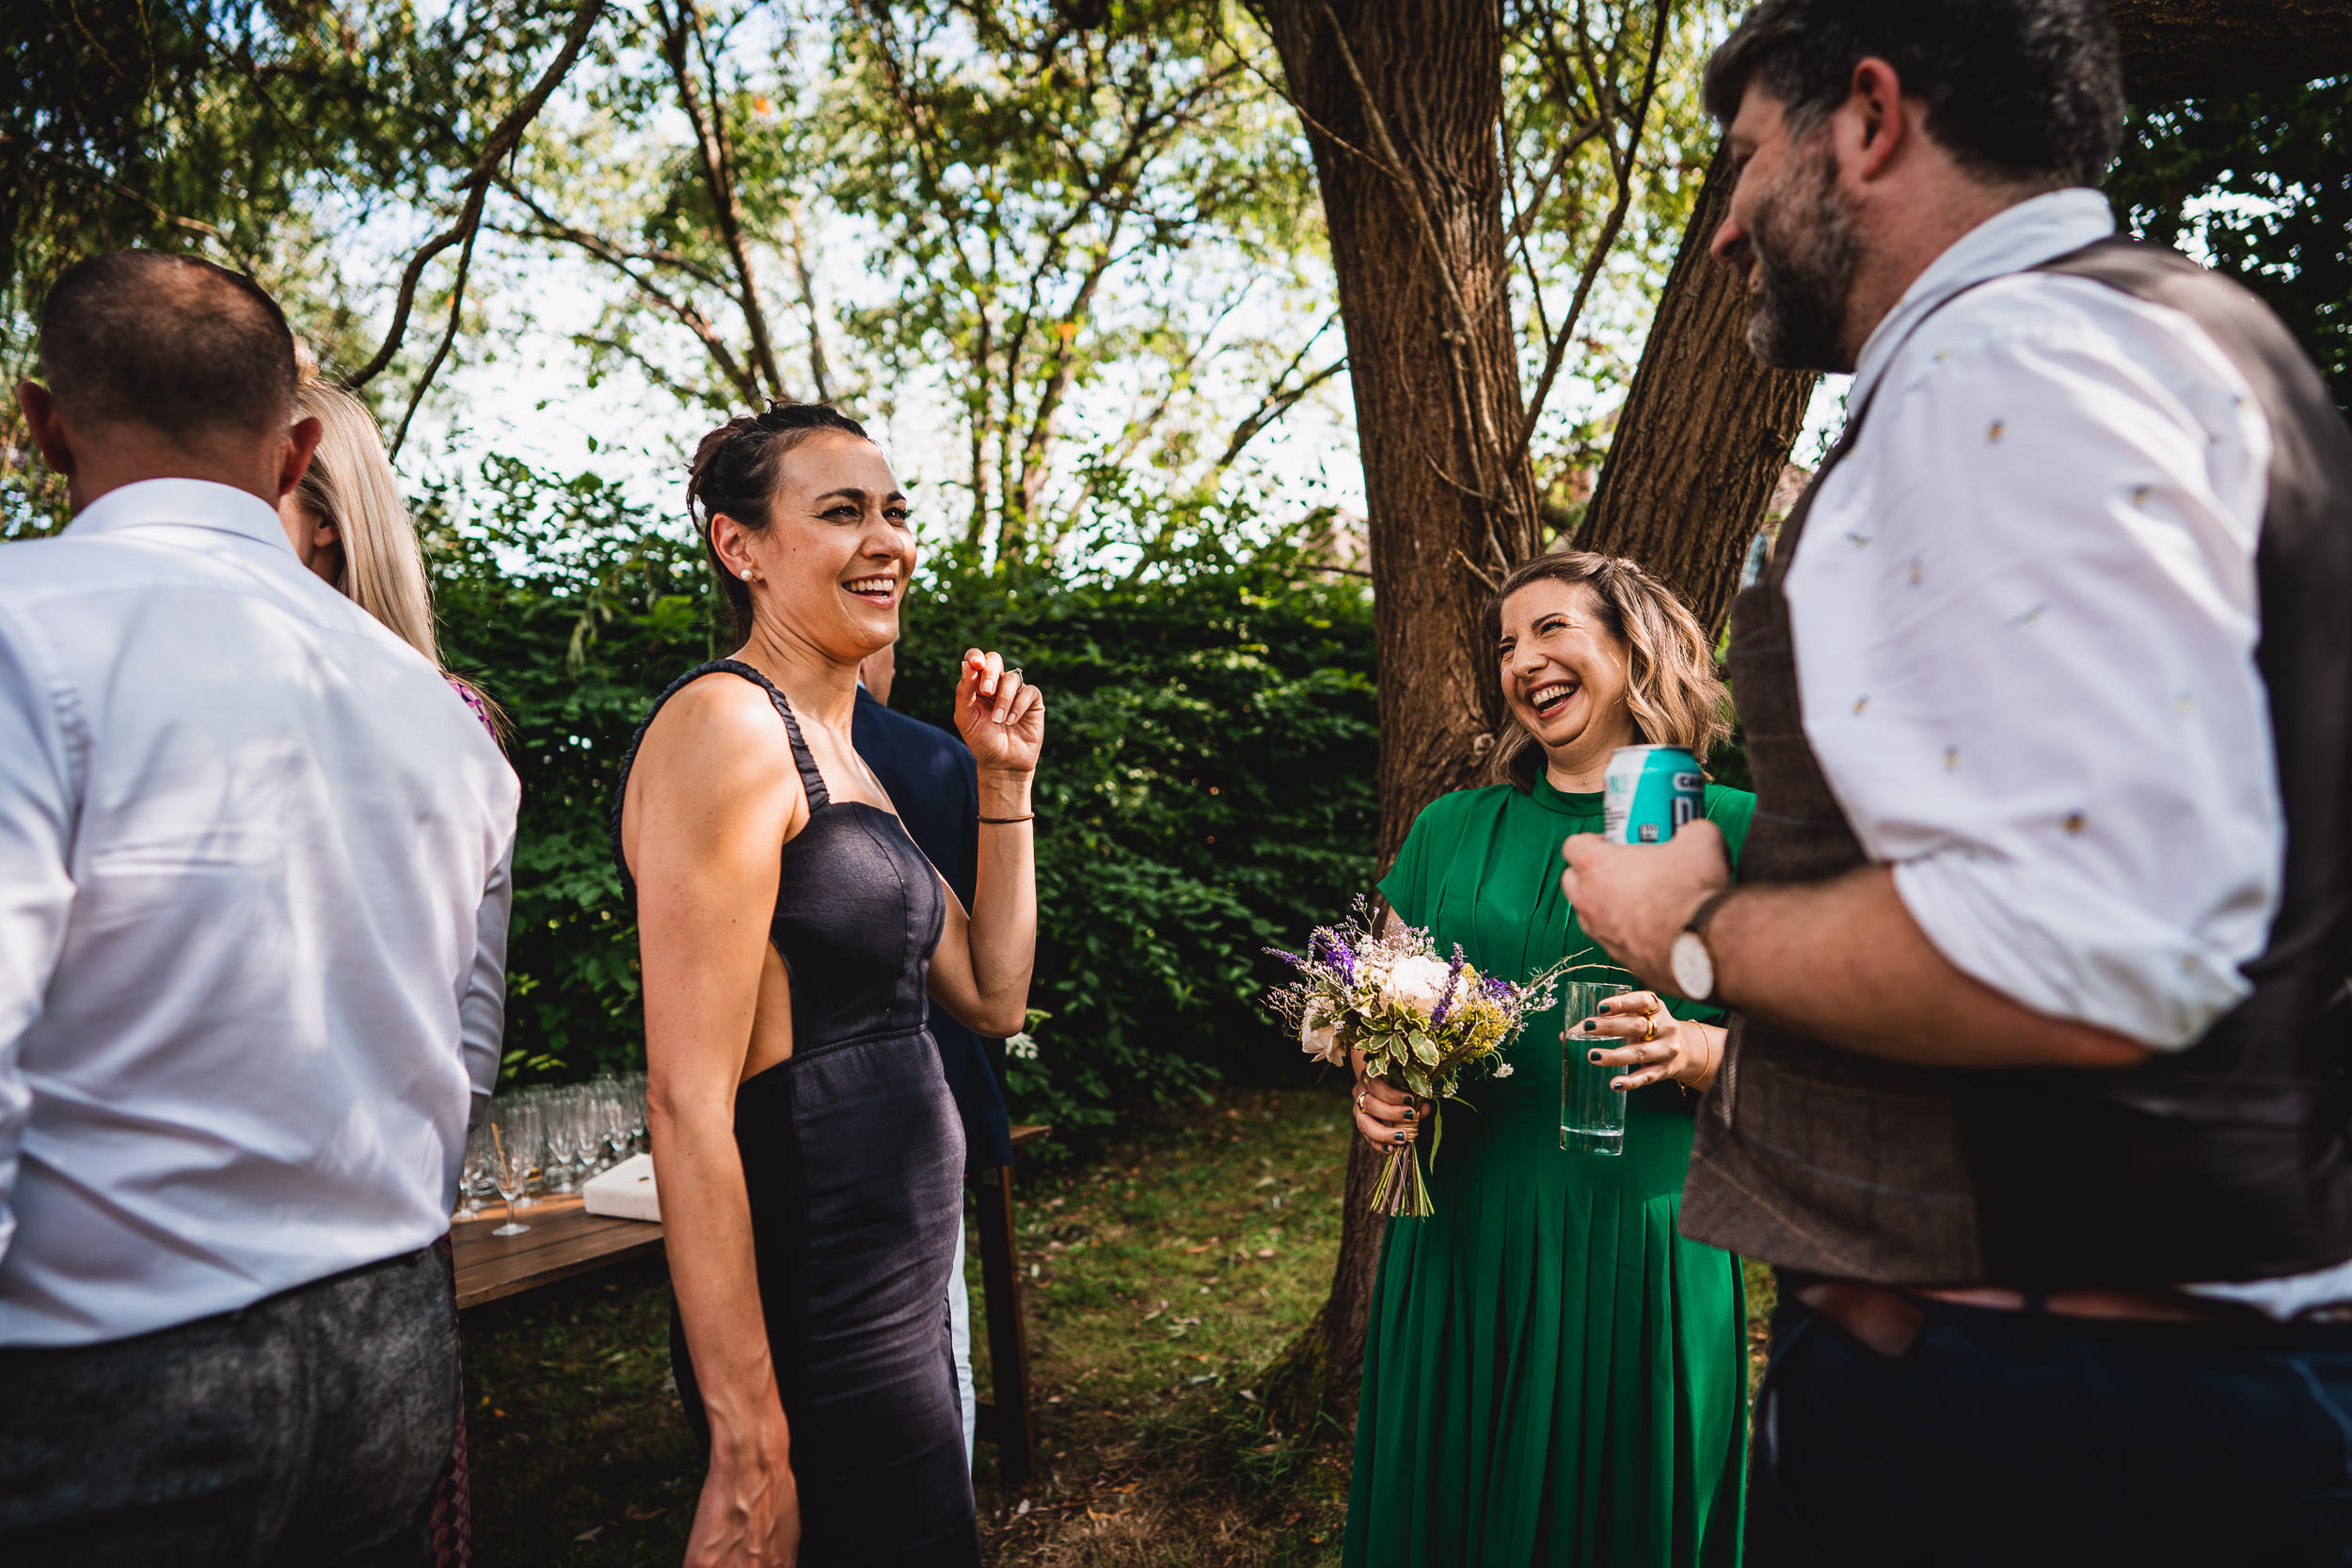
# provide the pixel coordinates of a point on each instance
(251, 851)
(2038, 1091)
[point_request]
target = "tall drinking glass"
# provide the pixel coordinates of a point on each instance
(1591, 1115)
(637, 1111)
(563, 1131)
(475, 1171)
(516, 1135)
(612, 1109)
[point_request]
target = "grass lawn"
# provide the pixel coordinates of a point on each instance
(1160, 1279)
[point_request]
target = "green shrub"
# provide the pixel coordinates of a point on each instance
(1208, 788)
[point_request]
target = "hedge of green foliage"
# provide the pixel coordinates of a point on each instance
(1207, 788)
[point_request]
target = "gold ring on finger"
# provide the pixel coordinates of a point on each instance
(1653, 1028)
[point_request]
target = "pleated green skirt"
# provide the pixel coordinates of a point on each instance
(1552, 1375)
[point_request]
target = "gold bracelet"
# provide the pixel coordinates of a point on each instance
(1001, 821)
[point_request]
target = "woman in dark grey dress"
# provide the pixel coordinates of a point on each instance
(809, 1156)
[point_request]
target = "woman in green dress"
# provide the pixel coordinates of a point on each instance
(1552, 1375)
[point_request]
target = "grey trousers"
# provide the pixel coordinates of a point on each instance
(306, 1428)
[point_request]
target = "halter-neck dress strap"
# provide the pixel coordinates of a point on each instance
(811, 780)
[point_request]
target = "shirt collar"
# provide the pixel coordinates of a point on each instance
(2035, 230)
(182, 503)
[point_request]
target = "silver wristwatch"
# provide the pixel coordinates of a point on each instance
(1693, 964)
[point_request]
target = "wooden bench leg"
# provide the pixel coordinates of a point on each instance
(1009, 1419)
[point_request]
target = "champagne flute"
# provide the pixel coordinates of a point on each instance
(612, 1109)
(475, 1171)
(563, 1135)
(516, 1135)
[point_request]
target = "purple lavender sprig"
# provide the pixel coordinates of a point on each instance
(1445, 997)
(1333, 949)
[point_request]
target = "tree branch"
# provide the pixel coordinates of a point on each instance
(681, 31)
(440, 352)
(1277, 403)
(1625, 166)
(502, 140)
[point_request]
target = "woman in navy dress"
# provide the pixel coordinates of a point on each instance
(808, 1152)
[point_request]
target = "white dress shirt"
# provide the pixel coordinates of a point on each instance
(2025, 623)
(2024, 627)
(252, 888)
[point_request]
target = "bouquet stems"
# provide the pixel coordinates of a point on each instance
(1400, 1193)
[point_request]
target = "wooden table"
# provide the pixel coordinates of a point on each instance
(565, 1240)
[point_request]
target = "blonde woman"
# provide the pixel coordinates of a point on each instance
(348, 524)
(1553, 1376)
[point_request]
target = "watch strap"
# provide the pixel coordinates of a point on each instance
(1694, 930)
(1705, 915)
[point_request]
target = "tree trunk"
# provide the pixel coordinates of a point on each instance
(1704, 430)
(2220, 48)
(1401, 100)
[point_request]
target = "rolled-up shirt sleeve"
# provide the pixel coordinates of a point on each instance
(481, 1005)
(38, 755)
(2028, 671)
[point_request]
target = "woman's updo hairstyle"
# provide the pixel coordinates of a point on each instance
(735, 470)
(1676, 697)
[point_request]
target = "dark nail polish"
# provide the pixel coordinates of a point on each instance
(1398, 1137)
(1591, 1024)
(1411, 1113)
(1593, 1056)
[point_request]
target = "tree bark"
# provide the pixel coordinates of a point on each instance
(1704, 430)
(2220, 48)
(1400, 99)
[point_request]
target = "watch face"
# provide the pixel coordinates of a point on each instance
(1693, 967)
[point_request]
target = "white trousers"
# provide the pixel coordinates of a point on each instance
(959, 1335)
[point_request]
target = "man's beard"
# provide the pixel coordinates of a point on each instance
(1805, 250)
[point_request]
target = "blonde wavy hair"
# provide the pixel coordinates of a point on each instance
(1676, 697)
(350, 484)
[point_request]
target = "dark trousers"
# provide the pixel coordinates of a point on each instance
(2022, 1438)
(306, 1428)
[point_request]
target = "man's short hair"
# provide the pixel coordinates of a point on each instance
(2023, 91)
(170, 342)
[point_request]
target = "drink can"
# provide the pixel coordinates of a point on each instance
(1649, 792)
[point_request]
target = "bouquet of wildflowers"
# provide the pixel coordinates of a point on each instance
(1422, 1022)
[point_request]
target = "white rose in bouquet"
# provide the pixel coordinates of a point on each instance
(1321, 1040)
(1416, 982)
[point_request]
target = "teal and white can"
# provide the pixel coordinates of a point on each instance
(1649, 792)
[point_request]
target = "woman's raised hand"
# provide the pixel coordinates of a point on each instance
(1000, 716)
(1635, 1032)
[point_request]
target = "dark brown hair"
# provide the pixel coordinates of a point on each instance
(1676, 697)
(170, 342)
(735, 471)
(2025, 90)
